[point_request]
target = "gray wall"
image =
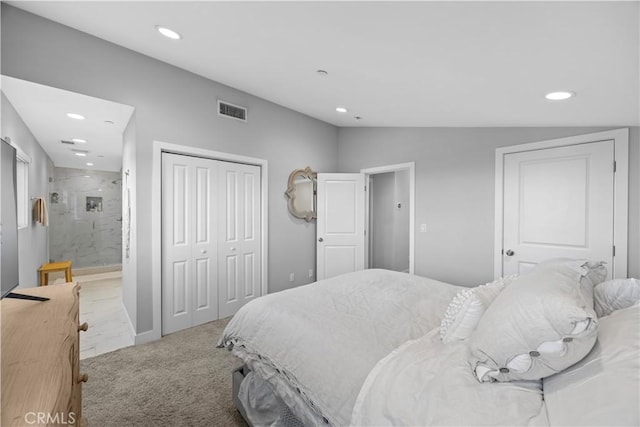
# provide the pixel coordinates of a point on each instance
(455, 190)
(178, 107)
(90, 238)
(33, 241)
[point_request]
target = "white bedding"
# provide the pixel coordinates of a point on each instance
(425, 382)
(316, 344)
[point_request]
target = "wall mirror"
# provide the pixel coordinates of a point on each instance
(301, 192)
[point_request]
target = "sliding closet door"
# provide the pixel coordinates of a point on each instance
(239, 242)
(189, 242)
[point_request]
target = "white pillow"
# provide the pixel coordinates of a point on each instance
(467, 307)
(616, 294)
(540, 324)
(603, 389)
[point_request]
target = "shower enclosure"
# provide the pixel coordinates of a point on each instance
(85, 216)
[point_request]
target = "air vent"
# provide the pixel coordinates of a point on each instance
(232, 111)
(67, 142)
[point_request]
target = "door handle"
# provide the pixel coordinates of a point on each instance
(320, 239)
(509, 252)
(203, 251)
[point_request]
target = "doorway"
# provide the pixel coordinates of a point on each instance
(349, 215)
(390, 220)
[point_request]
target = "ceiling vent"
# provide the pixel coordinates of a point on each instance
(233, 111)
(64, 141)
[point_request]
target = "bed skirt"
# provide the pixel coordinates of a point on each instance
(257, 403)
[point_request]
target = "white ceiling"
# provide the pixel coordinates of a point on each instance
(44, 110)
(395, 63)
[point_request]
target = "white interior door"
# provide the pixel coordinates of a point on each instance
(189, 242)
(340, 224)
(558, 202)
(239, 248)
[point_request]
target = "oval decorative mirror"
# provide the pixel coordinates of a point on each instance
(301, 192)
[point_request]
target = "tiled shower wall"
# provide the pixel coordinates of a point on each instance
(85, 216)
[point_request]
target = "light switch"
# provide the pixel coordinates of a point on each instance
(423, 228)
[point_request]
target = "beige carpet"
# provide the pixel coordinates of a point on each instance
(180, 380)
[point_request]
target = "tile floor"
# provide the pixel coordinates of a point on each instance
(101, 307)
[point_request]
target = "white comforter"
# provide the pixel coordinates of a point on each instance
(316, 344)
(427, 383)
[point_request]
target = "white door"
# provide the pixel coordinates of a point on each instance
(340, 224)
(189, 242)
(239, 248)
(558, 202)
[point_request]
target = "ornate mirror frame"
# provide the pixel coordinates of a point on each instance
(298, 193)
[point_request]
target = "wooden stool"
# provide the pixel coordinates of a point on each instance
(54, 266)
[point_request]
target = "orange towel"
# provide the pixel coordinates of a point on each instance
(40, 213)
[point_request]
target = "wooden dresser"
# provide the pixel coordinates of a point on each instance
(41, 380)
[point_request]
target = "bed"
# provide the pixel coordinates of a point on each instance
(378, 347)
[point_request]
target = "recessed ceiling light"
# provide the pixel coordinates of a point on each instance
(89, 164)
(168, 32)
(75, 116)
(87, 176)
(560, 95)
(81, 154)
(341, 110)
(79, 141)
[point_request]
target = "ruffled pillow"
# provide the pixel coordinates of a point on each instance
(616, 294)
(467, 307)
(541, 324)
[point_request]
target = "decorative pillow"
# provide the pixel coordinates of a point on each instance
(603, 389)
(466, 309)
(616, 294)
(541, 324)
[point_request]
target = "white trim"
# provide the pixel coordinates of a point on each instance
(145, 337)
(621, 191)
(411, 167)
(156, 221)
(132, 330)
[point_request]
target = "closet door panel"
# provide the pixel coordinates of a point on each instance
(176, 243)
(205, 246)
(240, 249)
(189, 242)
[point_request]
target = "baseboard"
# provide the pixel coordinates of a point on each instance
(145, 337)
(132, 330)
(96, 270)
